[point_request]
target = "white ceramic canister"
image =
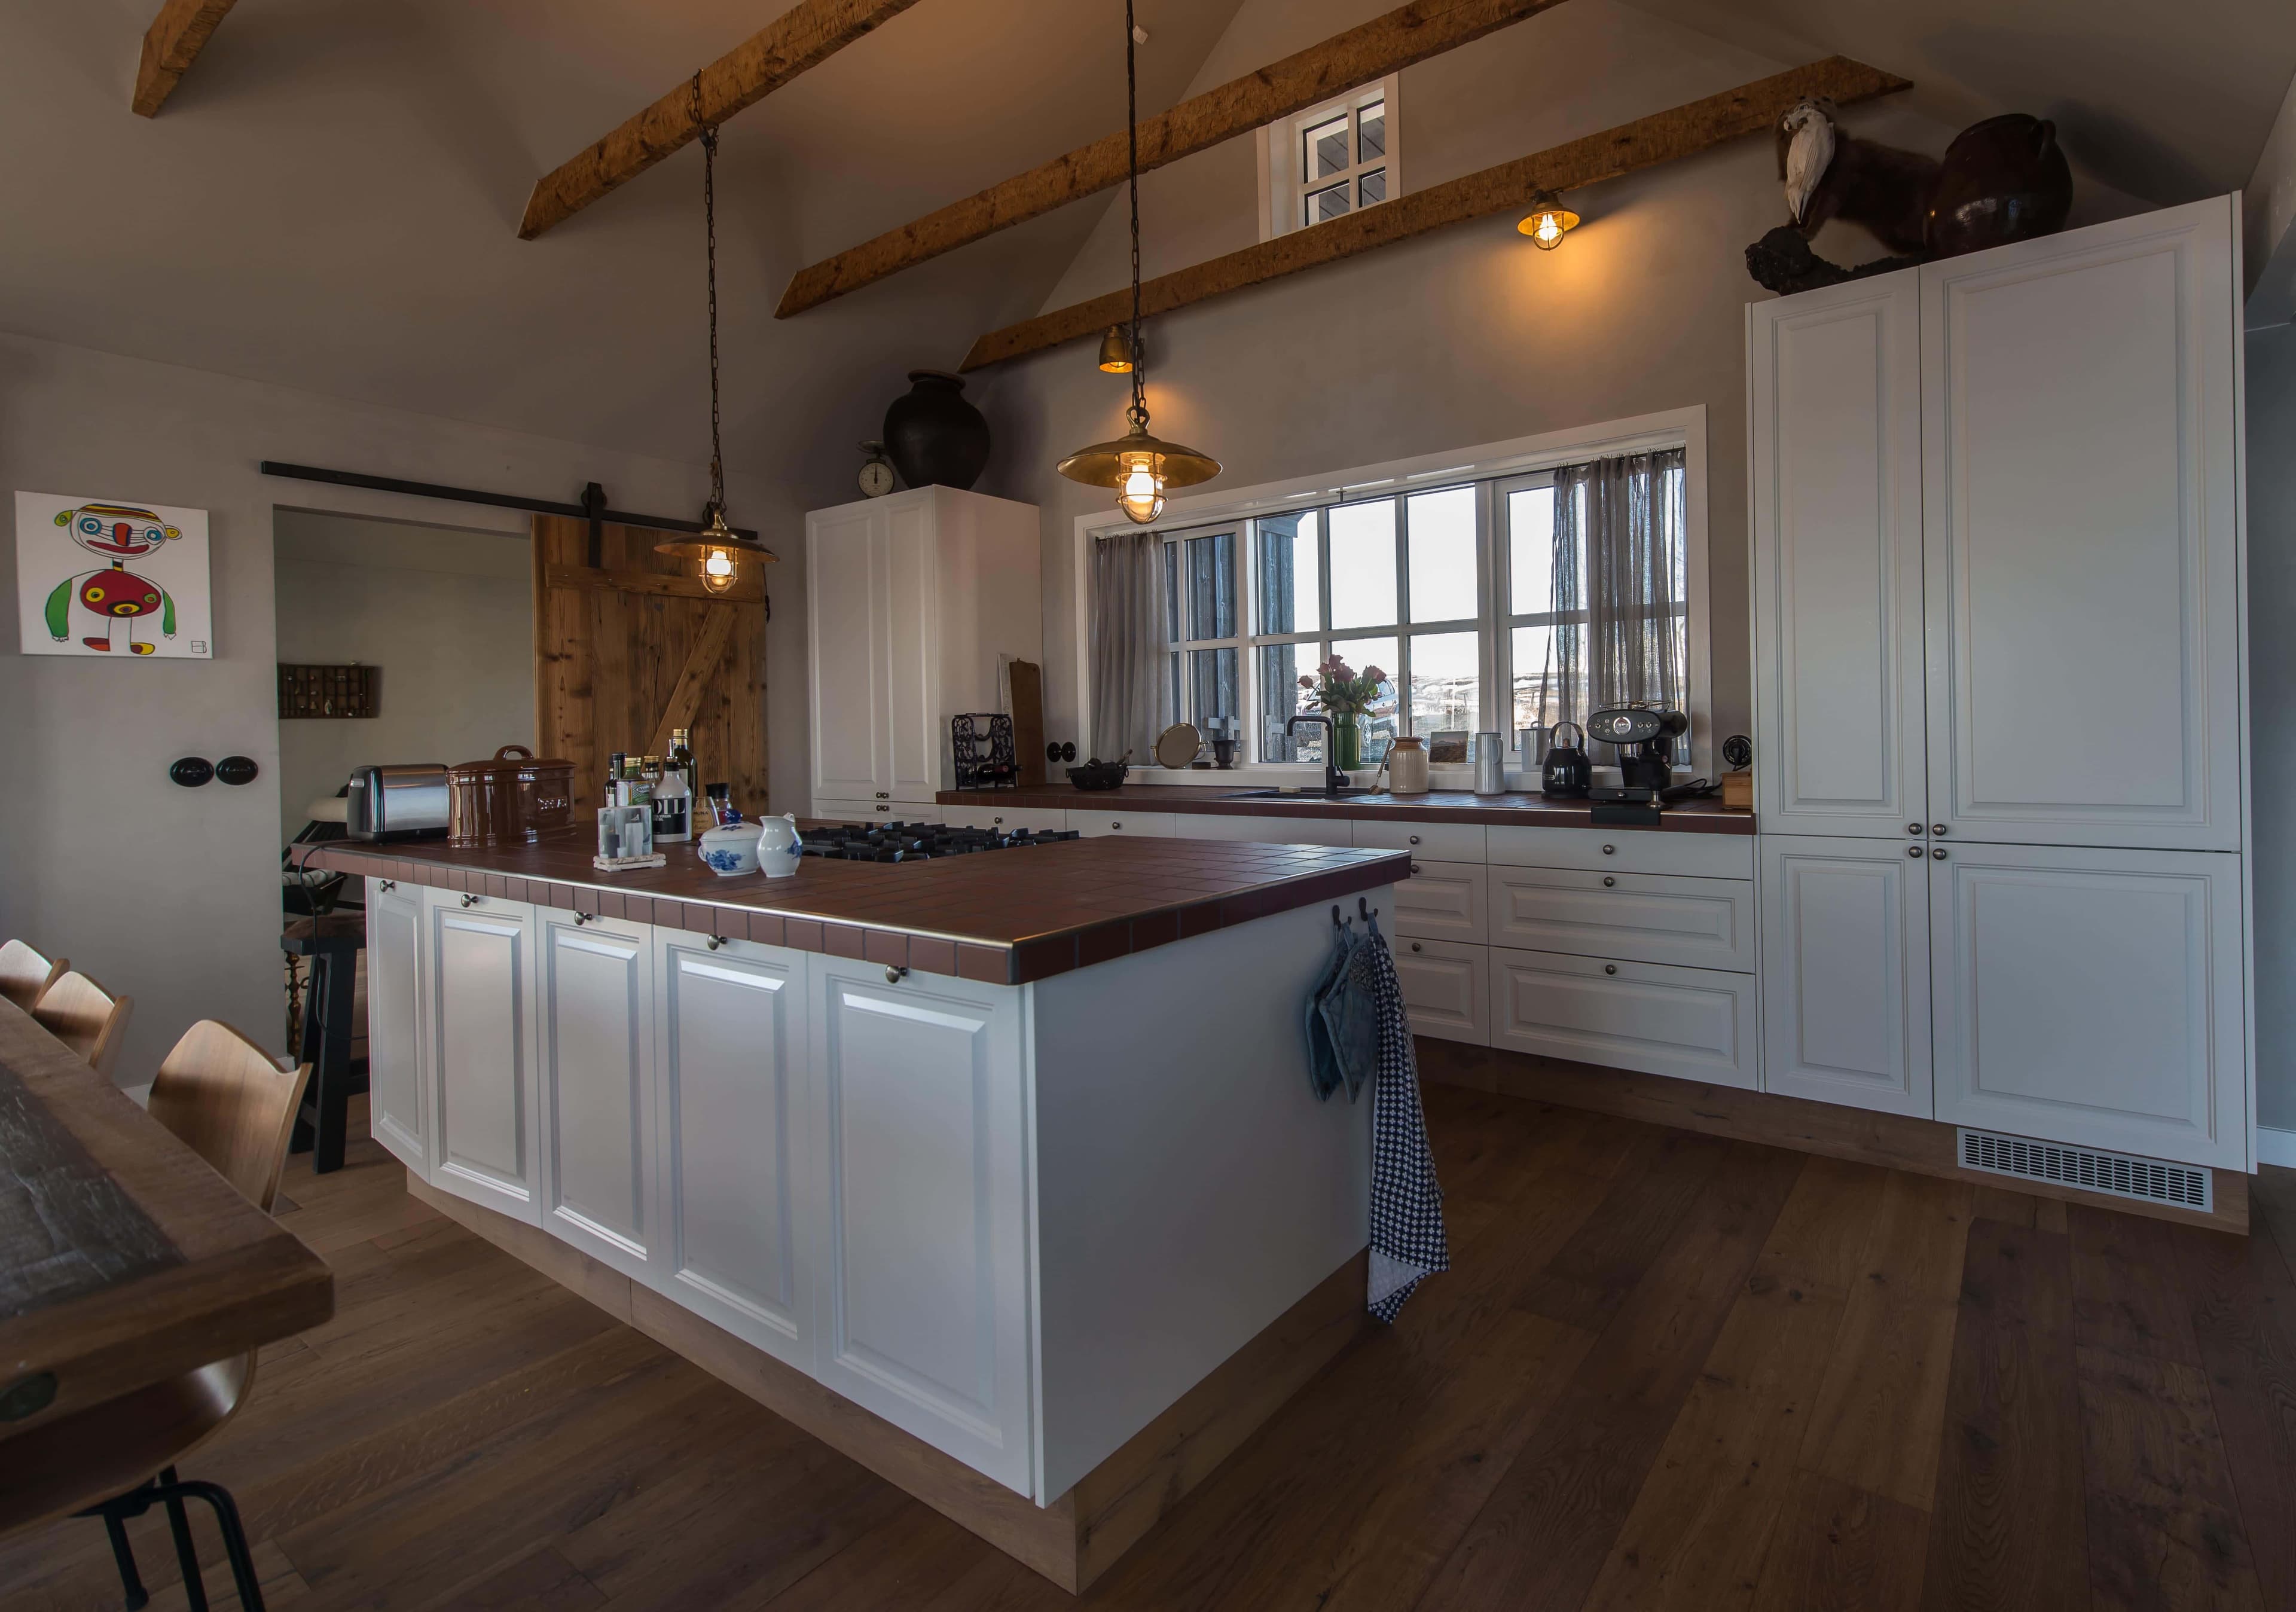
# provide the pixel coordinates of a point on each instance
(1406, 765)
(730, 848)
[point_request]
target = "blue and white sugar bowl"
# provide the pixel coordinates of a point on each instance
(731, 848)
(780, 848)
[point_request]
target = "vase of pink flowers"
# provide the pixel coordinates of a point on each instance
(1346, 695)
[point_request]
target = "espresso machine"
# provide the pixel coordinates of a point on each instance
(1644, 737)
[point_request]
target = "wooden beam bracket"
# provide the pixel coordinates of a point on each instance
(170, 45)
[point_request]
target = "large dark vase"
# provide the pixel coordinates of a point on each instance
(2004, 179)
(934, 437)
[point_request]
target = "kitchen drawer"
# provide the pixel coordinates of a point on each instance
(1442, 901)
(1005, 819)
(1694, 1024)
(1117, 820)
(1625, 850)
(1699, 923)
(1447, 985)
(1263, 829)
(1444, 841)
(877, 811)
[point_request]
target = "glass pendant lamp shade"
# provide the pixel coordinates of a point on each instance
(1140, 468)
(1547, 221)
(720, 549)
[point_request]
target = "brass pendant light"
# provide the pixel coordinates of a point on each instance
(1140, 467)
(721, 549)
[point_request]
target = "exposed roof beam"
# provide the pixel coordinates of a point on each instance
(1684, 131)
(170, 45)
(803, 36)
(1384, 45)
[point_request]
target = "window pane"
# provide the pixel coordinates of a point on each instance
(1446, 692)
(1370, 132)
(1373, 186)
(1289, 591)
(1281, 668)
(1211, 586)
(1530, 549)
(1379, 725)
(1537, 679)
(1326, 204)
(1323, 149)
(1362, 564)
(1441, 526)
(1212, 690)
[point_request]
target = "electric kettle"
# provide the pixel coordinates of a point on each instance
(1567, 775)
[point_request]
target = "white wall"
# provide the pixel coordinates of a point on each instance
(172, 895)
(2268, 219)
(2272, 719)
(445, 616)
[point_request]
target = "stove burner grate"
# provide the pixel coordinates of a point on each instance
(918, 841)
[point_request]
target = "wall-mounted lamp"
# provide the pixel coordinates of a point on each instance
(1115, 352)
(1548, 221)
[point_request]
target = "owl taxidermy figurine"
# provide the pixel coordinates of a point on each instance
(1830, 173)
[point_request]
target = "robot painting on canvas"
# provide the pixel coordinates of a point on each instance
(113, 595)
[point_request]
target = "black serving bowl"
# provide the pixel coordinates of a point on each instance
(1099, 775)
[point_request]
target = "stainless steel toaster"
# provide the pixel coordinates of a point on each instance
(405, 802)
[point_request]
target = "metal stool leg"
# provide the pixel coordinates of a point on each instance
(235, 1542)
(170, 1493)
(130, 1581)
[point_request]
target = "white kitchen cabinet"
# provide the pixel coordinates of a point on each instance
(1682, 854)
(1447, 985)
(1846, 972)
(1695, 1024)
(397, 1104)
(1005, 819)
(879, 811)
(1834, 421)
(2082, 541)
(914, 602)
(594, 1074)
(1443, 841)
(1699, 923)
(2092, 996)
(919, 1124)
(731, 1116)
(1262, 831)
(1444, 901)
(1122, 820)
(478, 1015)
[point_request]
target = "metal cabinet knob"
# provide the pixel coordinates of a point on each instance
(1609, 880)
(1914, 851)
(884, 808)
(996, 820)
(1938, 851)
(470, 901)
(894, 976)
(388, 884)
(1610, 850)
(1415, 839)
(1417, 947)
(1913, 828)
(716, 941)
(582, 918)
(884, 795)
(1609, 968)
(1936, 828)
(1414, 869)
(1115, 825)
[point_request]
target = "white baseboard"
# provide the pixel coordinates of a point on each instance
(2276, 1147)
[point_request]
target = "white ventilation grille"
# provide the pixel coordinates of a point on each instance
(2121, 1174)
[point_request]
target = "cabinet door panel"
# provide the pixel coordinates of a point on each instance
(2082, 542)
(1005, 820)
(1846, 973)
(1261, 831)
(596, 1064)
(918, 726)
(396, 1098)
(1446, 987)
(845, 593)
(1697, 1024)
(2092, 996)
(731, 1100)
(1123, 820)
(1443, 901)
(924, 1294)
(1834, 401)
(1699, 923)
(481, 1064)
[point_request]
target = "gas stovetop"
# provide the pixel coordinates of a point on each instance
(917, 841)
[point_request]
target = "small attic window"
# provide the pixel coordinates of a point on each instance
(1330, 161)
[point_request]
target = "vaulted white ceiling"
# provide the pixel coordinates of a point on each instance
(329, 199)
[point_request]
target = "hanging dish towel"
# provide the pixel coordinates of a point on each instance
(1407, 1242)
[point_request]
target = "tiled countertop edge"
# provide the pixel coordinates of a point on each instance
(989, 963)
(1533, 811)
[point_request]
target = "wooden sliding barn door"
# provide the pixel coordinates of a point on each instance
(628, 650)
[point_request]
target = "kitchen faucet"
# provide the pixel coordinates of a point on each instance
(1335, 781)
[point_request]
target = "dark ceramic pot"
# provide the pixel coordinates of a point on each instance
(933, 436)
(2004, 179)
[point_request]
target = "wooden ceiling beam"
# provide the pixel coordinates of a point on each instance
(1667, 137)
(802, 37)
(170, 45)
(1360, 56)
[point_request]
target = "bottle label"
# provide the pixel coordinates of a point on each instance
(672, 820)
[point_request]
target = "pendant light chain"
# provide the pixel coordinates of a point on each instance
(1138, 413)
(710, 222)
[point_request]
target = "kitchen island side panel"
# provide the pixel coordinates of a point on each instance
(1190, 1188)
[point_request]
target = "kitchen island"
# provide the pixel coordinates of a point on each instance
(1001, 1172)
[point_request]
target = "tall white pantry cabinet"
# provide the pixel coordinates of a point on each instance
(916, 602)
(2000, 697)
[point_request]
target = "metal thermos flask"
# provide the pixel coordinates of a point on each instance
(1490, 764)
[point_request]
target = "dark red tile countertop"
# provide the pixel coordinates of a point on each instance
(1438, 805)
(1003, 917)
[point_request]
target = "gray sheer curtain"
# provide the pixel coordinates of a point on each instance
(1131, 640)
(1618, 558)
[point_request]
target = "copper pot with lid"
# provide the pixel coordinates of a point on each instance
(512, 799)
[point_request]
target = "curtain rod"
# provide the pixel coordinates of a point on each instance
(593, 507)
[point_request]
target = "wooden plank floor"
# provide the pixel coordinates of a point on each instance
(1665, 1371)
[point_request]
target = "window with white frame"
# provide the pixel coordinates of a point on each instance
(1452, 590)
(1331, 160)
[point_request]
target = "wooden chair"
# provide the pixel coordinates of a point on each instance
(85, 1018)
(24, 973)
(234, 1106)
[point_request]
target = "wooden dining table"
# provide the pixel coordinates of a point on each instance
(124, 1260)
